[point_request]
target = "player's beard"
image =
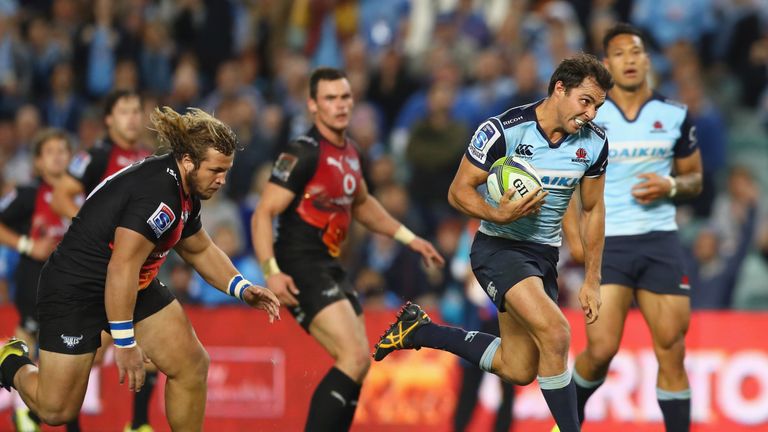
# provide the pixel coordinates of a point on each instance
(194, 186)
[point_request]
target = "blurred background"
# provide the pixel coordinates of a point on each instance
(424, 74)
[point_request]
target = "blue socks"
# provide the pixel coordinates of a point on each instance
(584, 389)
(676, 407)
(475, 347)
(560, 393)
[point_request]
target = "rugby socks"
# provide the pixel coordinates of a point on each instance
(333, 404)
(74, 425)
(475, 347)
(10, 366)
(560, 393)
(676, 408)
(584, 389)
(141, 401)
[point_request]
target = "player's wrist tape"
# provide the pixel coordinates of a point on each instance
(672, 186)
(25, 245)
(237, 286)
(122, 333)
(269, 267)
(404, 235)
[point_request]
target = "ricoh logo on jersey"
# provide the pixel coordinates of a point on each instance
(525, 151)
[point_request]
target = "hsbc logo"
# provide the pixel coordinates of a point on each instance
(524, 150)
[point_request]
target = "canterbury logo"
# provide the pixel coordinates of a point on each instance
(470, 336)
(71, 341)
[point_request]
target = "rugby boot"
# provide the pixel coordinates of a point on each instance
(143, 428)
(12, 347)
(400, 333)
(22, 422)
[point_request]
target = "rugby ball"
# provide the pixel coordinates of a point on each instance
(511, 171)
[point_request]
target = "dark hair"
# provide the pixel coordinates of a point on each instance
(573, 70)
(323, 74)
(45, 135)
(620, 29)
(192, 133)
(114, 96)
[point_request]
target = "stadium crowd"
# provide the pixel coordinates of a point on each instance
(424, 75)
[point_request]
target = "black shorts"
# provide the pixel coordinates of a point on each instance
(27, 275)
(320, 283)
(499, 264)
(74, 327)
(652, 262)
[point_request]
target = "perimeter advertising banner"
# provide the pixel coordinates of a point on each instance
(262, 377)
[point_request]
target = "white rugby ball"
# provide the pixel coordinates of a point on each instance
(511, 171)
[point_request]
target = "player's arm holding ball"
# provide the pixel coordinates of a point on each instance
(463, 196)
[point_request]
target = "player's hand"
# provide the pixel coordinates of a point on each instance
(284, 288)
(429, 254)
(130, 363)
(42, 248)
(264, 299)
(509, 211)
(589, 297)
(651, 188)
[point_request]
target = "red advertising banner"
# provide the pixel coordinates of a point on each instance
(262, 377)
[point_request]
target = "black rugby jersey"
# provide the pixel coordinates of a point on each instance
(146, 197)
(325, 179)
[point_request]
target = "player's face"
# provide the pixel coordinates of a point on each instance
(579, 105)
(333, 104)
(627, 61)
(126, 123)
(211, 175)
(54, 158)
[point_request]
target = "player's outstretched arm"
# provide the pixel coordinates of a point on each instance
(63, 198)
(217, 269)
(463, 196)
(368, 211)
(593, 237)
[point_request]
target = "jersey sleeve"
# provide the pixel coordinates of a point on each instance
(194, 223)
(688, 142)
(487, 145)
(16, 208)
(600, 164)
(151, 212)
(295, 166)
(88, 167)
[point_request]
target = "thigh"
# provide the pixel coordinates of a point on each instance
(339, 329)
(609, 327)
(530, 305)
(63, 378)
(668, 317)
(168, 339)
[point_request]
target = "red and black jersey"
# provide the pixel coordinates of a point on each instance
(146, 197)
(27, 211)
(100, 162)
(325, 179)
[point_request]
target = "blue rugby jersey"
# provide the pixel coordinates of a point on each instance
(661, 132)
(560, 166)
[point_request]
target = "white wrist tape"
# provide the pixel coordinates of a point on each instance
(673, 186)
(25, 245)
(404, 235)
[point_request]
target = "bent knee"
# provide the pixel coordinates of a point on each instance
(58, 416)
(556, 340)
(514, 372)
(603, 351)
(356, 362)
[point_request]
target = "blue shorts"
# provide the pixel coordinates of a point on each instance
(652, 262)
(499, 264)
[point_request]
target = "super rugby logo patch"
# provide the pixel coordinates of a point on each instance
(161, 219)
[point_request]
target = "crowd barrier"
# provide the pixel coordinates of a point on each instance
(262, 377)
